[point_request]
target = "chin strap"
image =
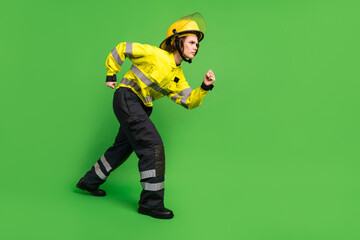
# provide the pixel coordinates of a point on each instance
(177, 44)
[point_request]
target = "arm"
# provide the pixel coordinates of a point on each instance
(189, 98)
(117, 56)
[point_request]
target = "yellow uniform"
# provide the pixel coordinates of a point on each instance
(154, 74)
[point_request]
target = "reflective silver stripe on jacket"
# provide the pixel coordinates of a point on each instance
(185, 93)
(128, 48)
(148, 174)
(147, 81)
(116, 56)
(99, 172)
(183, 101)
(133, 84)
(152, 186)
(105, 163)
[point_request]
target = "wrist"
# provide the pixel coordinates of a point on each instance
(111, 78)
(207, 87)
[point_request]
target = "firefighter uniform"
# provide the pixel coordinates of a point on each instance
(154, 74)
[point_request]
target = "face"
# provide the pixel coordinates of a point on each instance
(190, 46)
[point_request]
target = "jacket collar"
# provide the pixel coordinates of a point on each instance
(172, 61)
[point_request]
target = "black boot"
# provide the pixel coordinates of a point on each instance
(162, 213)
(95, 192)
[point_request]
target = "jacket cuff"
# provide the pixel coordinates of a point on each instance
(111, 78)
(207, 88)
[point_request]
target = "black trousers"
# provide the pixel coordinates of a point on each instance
(137, 133)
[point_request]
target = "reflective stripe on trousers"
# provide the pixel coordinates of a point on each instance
(152, 186)
(105, 164)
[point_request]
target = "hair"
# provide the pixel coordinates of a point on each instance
(181, 42)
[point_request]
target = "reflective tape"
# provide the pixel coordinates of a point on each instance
(133, 84)
(147, 81)
(183, 101)
(152, 186)
(99, 172)
(148, 99)
(147, 174)
(116, 56)
(128, 49)
(105, 163)
(185, 95)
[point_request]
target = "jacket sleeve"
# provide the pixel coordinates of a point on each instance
(187, 97)
(133, 51)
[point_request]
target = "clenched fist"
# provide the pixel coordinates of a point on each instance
(111, 84)
(209, 78)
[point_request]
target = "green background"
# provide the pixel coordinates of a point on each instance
(273, 152)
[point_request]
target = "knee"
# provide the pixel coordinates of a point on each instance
(159, 160)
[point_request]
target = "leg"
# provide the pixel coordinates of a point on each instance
(113, 158)
(146, 143)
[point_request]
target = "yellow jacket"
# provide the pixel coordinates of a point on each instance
(153, 75)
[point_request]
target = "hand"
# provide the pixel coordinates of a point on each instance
(209, 78)
(111, 84)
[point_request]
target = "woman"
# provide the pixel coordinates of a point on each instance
(156, 72)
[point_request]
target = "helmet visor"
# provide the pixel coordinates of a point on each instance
(191, 24)
(194, 22)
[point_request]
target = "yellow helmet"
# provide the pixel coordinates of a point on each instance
(193, 24)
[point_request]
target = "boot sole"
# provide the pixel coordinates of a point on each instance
(145, 211)
(84, 188)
